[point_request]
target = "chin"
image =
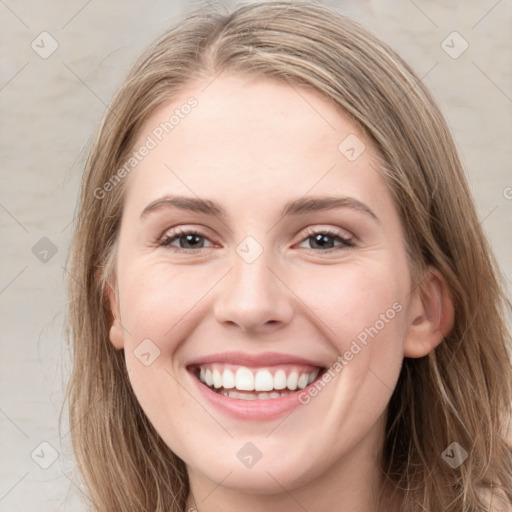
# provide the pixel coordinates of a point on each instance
(269, 476)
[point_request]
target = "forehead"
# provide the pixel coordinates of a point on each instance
(249, 138)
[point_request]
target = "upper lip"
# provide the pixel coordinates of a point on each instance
(254, 360)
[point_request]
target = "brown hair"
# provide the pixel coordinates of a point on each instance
(461, 392)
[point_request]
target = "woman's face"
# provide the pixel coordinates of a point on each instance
(260, 253)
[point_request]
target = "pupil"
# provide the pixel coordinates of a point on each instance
(193, 240)
(323, 240)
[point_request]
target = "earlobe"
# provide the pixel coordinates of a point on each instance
(431, 315)
(116, 329)
(116, 334)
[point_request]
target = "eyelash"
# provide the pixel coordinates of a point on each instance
(180, 233)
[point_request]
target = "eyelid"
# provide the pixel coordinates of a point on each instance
(334, 231)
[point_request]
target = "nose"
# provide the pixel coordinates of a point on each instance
(254, 297)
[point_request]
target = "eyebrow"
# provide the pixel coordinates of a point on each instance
(299, 206)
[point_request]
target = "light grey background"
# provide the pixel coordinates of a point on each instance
(49, 110)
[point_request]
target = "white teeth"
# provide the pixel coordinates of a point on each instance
(260, 381)
(279, 379)
(313, 376)
(217, 378)
(253, 396)
(263, 381)
(228, 379)
(291, 381)
(303, 380)
(242, 396)
(244, 379)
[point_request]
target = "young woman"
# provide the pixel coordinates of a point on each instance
(281, 294)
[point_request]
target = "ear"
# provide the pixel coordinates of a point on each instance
(116, 329)
(431, 315)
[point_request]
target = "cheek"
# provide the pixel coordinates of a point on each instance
(354, 299)
(156, 299)
(156, 302)
(362, 313)
(163, 400)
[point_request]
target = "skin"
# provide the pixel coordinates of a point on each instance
(251, 145)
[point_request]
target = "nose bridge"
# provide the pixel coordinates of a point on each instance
(251, 295)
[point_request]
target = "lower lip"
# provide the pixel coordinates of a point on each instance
(250, 409)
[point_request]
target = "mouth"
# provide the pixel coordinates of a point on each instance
(256, 383)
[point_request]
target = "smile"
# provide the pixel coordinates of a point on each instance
(249, 386)
(245, 383)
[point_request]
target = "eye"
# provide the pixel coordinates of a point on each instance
(186, 239)
(326, 239)
(189, 240)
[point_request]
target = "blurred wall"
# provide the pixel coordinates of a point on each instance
(59, 64)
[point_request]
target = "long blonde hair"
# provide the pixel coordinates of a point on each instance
(461, 392)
